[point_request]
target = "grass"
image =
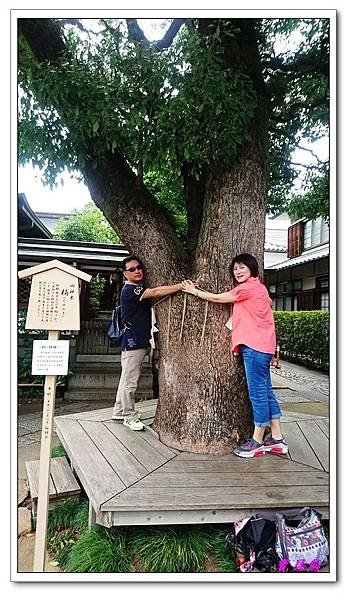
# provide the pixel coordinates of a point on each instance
(161, 549)
(58, 451)
(100, 550)
(66, 523)
(179, 549)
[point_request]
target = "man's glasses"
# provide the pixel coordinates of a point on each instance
(133, 269)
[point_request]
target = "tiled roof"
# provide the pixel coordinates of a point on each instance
(307, 256)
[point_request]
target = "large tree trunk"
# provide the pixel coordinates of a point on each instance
(203, 403)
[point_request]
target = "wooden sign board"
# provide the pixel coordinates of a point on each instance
(50, 357)
(54, 296)
(53, 305)
(53, 302)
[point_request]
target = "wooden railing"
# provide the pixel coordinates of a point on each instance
(93, 339)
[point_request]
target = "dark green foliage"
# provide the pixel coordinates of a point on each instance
(65, 523)
(168, 189)
(100, 550)
(315, 202)
(58, 451)
(303, 337)
(70, 515)
(162, 549)
(86, 225)
(97, 288)
(179, 549)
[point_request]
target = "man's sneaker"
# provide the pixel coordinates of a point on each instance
(275, 446)
(133, 423)
(118, 418)
(250, 449)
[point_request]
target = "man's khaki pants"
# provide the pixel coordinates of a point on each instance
(131, 361)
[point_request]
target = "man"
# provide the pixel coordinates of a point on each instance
(134, 344)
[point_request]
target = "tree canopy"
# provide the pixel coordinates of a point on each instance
(86, 225)
(175, 105)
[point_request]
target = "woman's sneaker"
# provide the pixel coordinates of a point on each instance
(250, 449)
(275, 446)
(133, 423)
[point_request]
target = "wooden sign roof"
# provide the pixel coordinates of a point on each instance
(54, 264)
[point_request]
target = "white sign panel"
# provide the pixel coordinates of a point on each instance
(50, 358)
(53, 301)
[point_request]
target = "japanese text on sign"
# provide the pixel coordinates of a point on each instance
(50, 358)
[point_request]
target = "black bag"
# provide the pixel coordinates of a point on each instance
(115, 330)
(253, 539)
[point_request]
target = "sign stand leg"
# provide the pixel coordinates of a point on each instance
(45, 463)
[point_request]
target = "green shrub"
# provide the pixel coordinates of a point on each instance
(69, 515)
(66, 523)
(58, 451)
(100, 550)
(303, 337)
(172, 549)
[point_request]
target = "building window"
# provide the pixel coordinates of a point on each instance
(323, 283)
(288, 303)
(316, 232)
(324, 301)
(295, 239)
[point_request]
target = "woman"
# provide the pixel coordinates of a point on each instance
(253, 336)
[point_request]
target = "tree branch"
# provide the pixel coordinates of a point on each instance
(300, 64)
(43, 37)
(295, 108)
(194, 192)
(170, 35)
(136, 34)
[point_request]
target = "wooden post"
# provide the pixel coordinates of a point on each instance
(53, 306)
(45, 463)
(91, 516)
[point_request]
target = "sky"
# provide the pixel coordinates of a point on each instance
(75, 195)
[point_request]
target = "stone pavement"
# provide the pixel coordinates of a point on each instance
(298, 389)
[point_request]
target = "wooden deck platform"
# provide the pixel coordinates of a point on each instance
(132, 478)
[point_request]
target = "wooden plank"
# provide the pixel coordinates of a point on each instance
(218, 498)
(317, 440)
(289, 417)
(300, 450)
(175, 517)
(63, 478)
(104, 414)
(152, 439)
(252, 466)
(125, 465)
(162, 478)
(324, 425)
(32, 469)
(151, 402)
(101, 414)
(96, 475)
(137, 444)
(264, 464)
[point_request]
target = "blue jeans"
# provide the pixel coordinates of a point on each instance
(264, 402)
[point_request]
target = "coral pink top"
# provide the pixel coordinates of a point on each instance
(252, 321)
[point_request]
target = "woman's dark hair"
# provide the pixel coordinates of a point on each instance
(245, 259)
(128, 259)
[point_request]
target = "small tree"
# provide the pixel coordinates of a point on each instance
(87, 225)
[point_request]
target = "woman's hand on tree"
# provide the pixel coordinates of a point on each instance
(188, 286)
